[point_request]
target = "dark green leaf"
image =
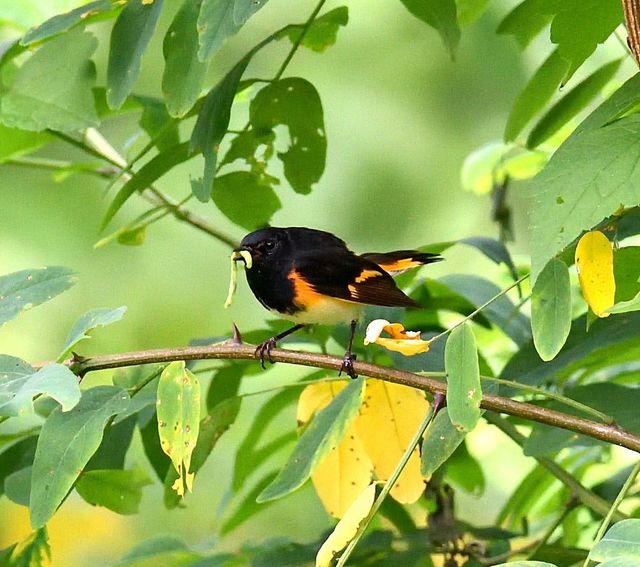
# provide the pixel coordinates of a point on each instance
(625, 268)
(464, 391)
(18, 389)
(114, 445)
(523, 563)
(494, 250)
(225, 384)
(622, 540)
(158, 551)
(147, 174)
(33, 551)
(551, 309)
(245, 144)
(64, 22)
(212, 123)
(14, 142)
(220, 19)
(20, 291)
(441, 15)
(67, 102)
(183, 71)
(17, 457)
(439, 443)
(539, 90)
(323, 31)
(248, 507)
(129, 38)
(157, 123)
(465, 471)
(66, 443)
(246, 199)
(99, 317)
(326, 429)
(525, 21)
(17, 486)
(572, 103)
(152, 449)
(295, 103)
(572, 195)
(117, 490)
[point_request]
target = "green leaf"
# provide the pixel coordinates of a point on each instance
(323, 31)
(325, 430)
(439, 443)
(625, 269)
(470, 10)
(155, 120)
(571, 194)
(212, 123)
(130, 36)
(67, 102)
(295, 103)
(14, 142)
(441, 15)
(33, 551)
(525, 21)
(464, 471)
(117, 490)
(147, 175)
(248, 507)
(572, 103)
(152, 449)
(178, 409)
(246, 199)
(481, 168)
(246, 143)
(464, 391)
(622, 540)
(17, 457)
(99, 317)
(115, 443)
(66, 443)
(17, 389)
(20, 291)
(525, 564)
(100, 9)
(551, 309)
(626, 306)
(538, 91)
(493, 249)
(220, 19)
(183, 71)
(17, 486)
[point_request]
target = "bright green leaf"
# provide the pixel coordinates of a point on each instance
(325, 431)
(245, 199)
(14, 142)
(625, 268)
(572, 194)
(572, 103)
(481, 168)
(20, 291)
(18, 390)
(323, 31)
(178, 409)
(464, 391)
(220, 19)
(183, 71)
(625, 306)
(90, 320)
(525, 21)
(33, 551)
(551, 309)
(622, 540)
(133, 237)
(117, 490)
(295, 103)
(538, 91)
(525, 564)
(441, 15)
(439, 443)
(63, 22)
(130, 36)
(470, 10)
(67, 442)
(67, 102)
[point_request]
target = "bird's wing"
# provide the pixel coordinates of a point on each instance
(398, 262)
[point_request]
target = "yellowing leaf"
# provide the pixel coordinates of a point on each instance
(346, 528)
(344, 473)
(594, 261)
(389, 417)
(405, 342)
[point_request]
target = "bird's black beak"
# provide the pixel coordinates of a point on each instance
(243, 254)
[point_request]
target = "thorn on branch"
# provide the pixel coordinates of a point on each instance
(236, 338)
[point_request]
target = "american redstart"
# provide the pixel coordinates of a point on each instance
(309, 276)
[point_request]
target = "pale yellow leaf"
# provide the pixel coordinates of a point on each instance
(405, 342)
(346, 528)
(594, 262)
(389, 417)
(342, 475)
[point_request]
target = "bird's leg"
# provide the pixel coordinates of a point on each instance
(267, 346)
(349, 357)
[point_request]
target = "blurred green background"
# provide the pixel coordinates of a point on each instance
(400, 118)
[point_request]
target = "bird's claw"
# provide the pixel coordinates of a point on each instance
(347, 365)
(263, 349)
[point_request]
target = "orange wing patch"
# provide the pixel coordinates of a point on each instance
(367, 274)
(305, 295)
(400, 265)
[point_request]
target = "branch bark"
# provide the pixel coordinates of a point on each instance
(632, 22)
(232, 350)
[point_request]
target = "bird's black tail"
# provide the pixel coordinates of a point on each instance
(400, 261)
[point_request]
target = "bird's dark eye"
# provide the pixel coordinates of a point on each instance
(269, 245)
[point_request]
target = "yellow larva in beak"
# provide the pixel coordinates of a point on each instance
(233, 282)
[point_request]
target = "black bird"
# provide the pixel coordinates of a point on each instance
(309, 276)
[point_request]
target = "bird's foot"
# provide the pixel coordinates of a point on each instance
(347, 365)
(264, 350)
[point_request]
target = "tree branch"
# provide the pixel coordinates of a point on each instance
(231, 350)
(632, 22)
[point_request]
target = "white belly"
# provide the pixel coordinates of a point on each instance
(327, 311)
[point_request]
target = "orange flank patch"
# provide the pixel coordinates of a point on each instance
(305, 294)
(367, 274)
(399, 265)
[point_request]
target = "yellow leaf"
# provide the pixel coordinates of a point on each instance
(342, 475)
(405, 342)
(346, 528)
(388, 419)
(594, 261)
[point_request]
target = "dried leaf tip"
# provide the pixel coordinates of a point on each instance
(405, 342)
